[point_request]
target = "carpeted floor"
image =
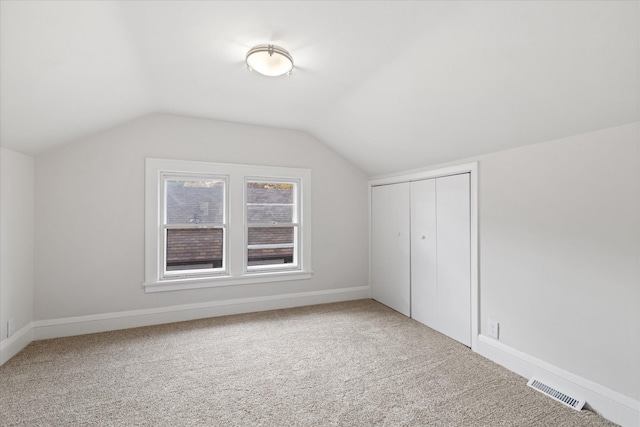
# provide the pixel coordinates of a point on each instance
(348, 364)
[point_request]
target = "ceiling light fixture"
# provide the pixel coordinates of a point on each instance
(269, 60)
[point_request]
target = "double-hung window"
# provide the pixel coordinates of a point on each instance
(216, 224)
(272, 222)
(193, 233)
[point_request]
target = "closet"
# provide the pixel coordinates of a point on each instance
(421, 251)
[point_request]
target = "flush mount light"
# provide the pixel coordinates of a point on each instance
(269, 60)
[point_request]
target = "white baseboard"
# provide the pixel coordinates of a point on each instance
(79, 325)
(12, 346)
(610, 404)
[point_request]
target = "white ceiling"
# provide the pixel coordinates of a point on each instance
(389, 85)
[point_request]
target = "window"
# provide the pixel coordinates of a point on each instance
(193, 227)
(213, 224)
(272, 225)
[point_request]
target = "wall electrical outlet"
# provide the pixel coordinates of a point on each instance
(11, 327)
(494, 329)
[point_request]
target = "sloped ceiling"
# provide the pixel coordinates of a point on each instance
(389, 85)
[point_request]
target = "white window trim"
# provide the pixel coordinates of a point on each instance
(235, 224)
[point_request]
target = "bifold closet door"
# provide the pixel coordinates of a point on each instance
(441, 255)
(453, 216)
(390, 246)
(424, 257)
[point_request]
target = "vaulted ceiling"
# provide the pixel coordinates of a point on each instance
(389, 85)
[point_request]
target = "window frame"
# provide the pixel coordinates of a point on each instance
(236, 272)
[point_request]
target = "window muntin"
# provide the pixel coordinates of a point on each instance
(272, 225)
(193, 225)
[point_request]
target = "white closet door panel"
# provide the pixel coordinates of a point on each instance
(390, 245)
(424, 296)
(454, 257)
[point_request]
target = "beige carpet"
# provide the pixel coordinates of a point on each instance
(349, 364)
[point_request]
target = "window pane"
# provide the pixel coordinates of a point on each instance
(195, 201)
(269, 202)
(269, 214)
(271, 245)
(194, 248)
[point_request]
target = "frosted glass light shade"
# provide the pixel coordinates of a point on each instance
(269, 60)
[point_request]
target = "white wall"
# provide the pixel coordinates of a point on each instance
(560, 252)
(90, 213)
(16, 243)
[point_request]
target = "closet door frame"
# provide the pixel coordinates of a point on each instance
(472, 169)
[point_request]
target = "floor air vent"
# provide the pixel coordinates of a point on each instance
(571, 402)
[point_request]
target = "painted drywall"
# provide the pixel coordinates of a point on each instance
(16, 239)
(560, 252)
(90, 213)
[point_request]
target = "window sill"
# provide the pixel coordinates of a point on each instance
(212, 282)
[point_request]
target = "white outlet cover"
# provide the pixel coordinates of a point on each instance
(494, 329)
